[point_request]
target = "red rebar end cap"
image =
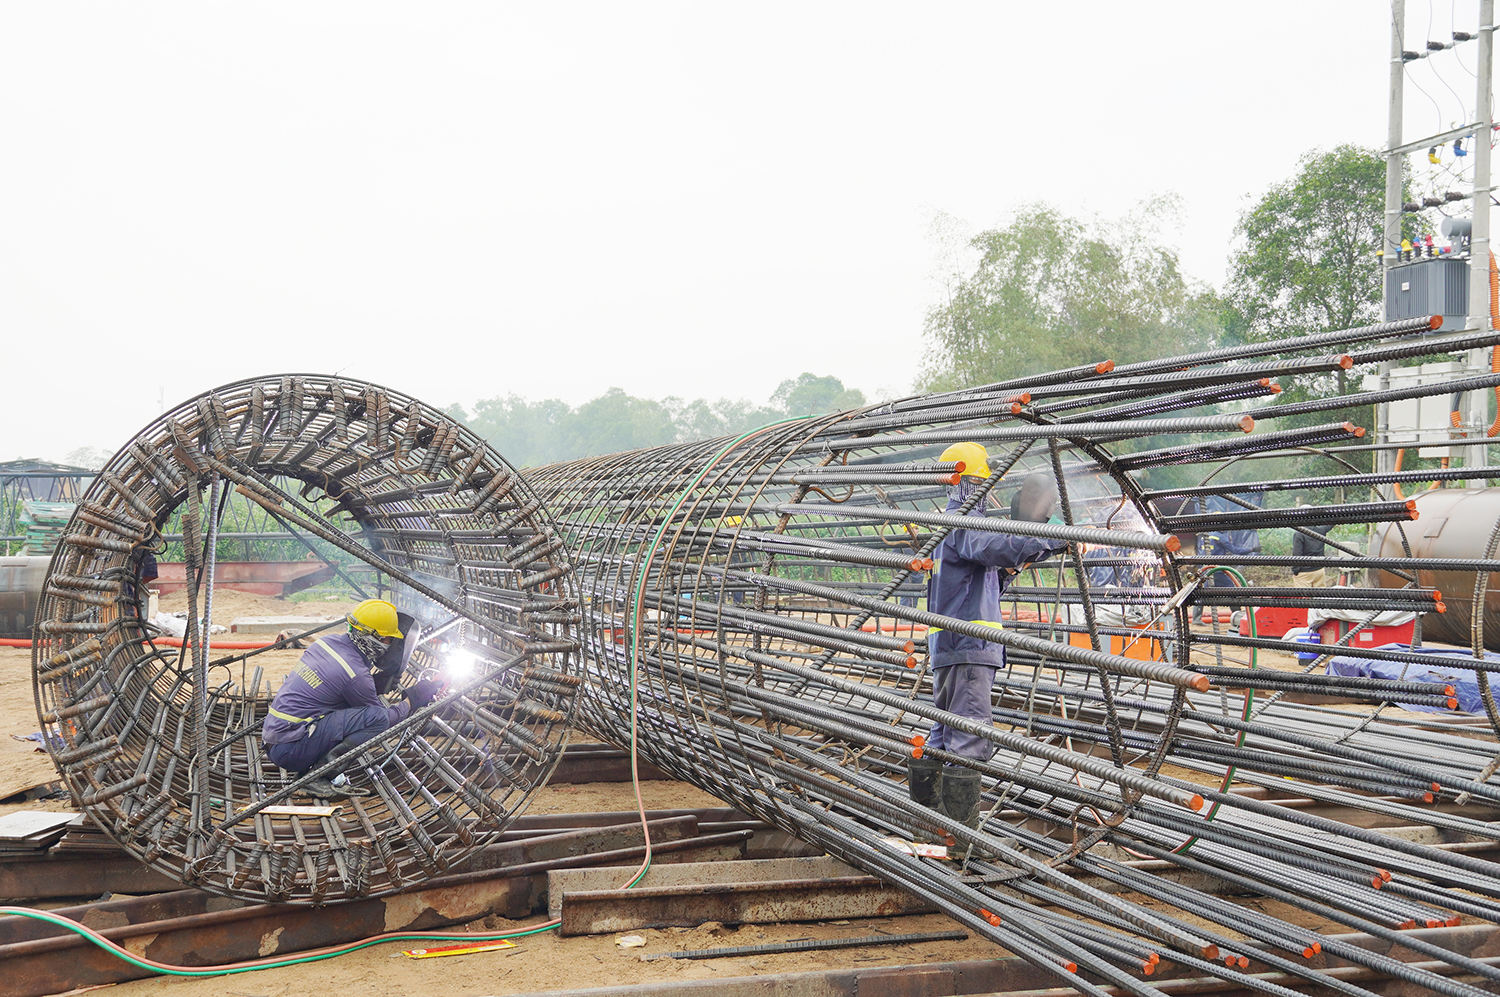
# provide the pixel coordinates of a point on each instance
(911, 661)
(1436, 322)
(1435, 787)
(1426, 797)
(1109, 365)
(1147, 969)
(1243, 962)
(1376, 882)
(1449, 690)
(1346, 361)
(1247, 423)
(1229, 959)
(1173, 545)
(1437, 595)
(1199, 683)
(1071, 967)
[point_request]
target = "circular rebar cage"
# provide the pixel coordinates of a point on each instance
(160, 745)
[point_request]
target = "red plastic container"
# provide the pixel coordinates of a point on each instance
(1274, 621)
(1331, 631)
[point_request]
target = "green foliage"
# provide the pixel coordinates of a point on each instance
(532, 433)
(809, 395)
(1307, 260)
(1049, 291)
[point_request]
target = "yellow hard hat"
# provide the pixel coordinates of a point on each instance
(975, 459)
(375, 616)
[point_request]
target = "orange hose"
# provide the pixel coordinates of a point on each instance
(1396, 485)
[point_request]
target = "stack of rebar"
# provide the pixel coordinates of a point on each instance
(754, 623)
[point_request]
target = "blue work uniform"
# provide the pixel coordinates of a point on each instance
(967, 582)
(329, 697)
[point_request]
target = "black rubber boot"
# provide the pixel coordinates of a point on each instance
(924, 780)
(960, 789)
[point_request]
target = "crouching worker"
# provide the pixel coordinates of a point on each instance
(972, 568)
(328, 705)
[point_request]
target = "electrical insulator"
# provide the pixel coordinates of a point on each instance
(1462, 36)
(1432, 155)
(1458, 147)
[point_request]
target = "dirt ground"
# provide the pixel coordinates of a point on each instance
(542, 962)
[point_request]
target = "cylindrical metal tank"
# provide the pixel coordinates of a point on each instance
(21, 581)
(1456, 523)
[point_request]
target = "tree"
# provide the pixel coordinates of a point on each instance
(1306, 258)
(1048, 291)
(807, 394)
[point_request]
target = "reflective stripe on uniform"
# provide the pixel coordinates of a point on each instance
(339, 658)
(288, 717)
(983, 623)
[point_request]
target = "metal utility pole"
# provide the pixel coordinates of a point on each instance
(1479, 239)
(1395, 166)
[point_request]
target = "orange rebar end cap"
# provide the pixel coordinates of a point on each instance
(1437, 595)
(1308, 953)
(1453, 921)
(1153, 958)
(1210, 952)
(1426, 797)
(909, 646)
(1452, 703)
(1247, 423)
(1449, 690)
(916, 752)
(1015, 408)
(1071, 967)
(1275, 389)
(911, 661)
(1436, 322)
(1385, 875)
(1346, 361)
(1434, 923)
(1199, 683)
(1441, 607)
(1148, 969)
(1435, 787)
(1173, 545)
(1407, 924)
(1229, 959)
(1024, 398)
(1196, 803)
(1243, 961)
(952, 479)
(1109, 365)
(1376, 882)
(1317, 946)
(959, 467)
(918, 739)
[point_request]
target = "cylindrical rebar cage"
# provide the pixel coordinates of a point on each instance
(160, 744)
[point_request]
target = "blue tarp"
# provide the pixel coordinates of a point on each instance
(1462, 679)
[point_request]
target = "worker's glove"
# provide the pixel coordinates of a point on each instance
(423, 692)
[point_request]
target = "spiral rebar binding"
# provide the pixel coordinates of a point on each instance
(753, 624)
(160, 744)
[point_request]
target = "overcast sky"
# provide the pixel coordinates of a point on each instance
(471, 200)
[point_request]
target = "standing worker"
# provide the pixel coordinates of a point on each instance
(328, 704)
(1305, 546)
(972, 568)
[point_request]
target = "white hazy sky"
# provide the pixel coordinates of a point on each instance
(470, 200)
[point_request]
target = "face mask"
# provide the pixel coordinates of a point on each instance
(371, 646)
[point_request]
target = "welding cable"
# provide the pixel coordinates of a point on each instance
(250, 966)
